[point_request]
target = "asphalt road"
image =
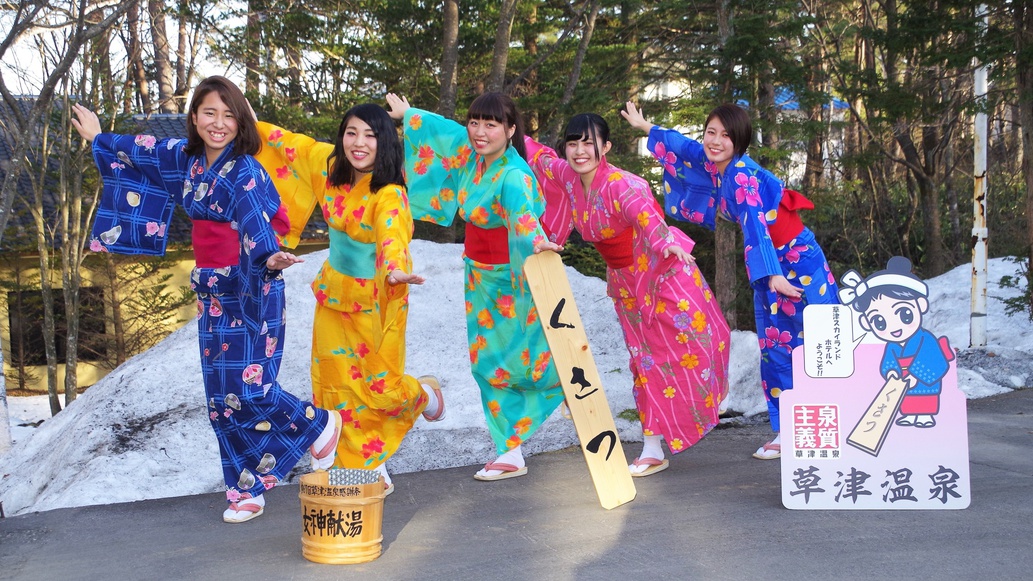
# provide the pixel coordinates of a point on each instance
(715, 514)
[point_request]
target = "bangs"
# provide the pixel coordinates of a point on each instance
(581, 128)
(488, 107)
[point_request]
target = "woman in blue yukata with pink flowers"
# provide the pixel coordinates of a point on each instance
(262, 429)
(786, 266)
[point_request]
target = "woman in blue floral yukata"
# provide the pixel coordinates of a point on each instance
(262, 430)
(785, 265)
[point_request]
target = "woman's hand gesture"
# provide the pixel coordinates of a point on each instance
(547, 245)
(782, 286)
(85, 122)
(635, 118)
(281, 260)
(396, 106)
(401, 277)
(680, 253)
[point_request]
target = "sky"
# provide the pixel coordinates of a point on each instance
(142, 431)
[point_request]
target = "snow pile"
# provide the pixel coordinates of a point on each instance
(142, 432)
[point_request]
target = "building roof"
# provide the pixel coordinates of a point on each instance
(785, 100)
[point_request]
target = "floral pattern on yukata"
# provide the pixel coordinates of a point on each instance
(674, 329)
(509, 356)
(358, 335)
(262, 430)
(749, 195)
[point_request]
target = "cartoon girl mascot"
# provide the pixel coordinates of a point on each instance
(892, 303)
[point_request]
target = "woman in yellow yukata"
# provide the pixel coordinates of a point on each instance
(479, 172)
(362, 293)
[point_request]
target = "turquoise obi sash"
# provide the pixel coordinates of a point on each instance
(347, 256)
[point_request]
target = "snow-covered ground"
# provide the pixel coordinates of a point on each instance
(142, 432)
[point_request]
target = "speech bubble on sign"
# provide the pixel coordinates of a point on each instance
(830, 335)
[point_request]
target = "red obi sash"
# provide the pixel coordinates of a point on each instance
(616, 251)
(788, 224)
(487, 245)
(216, 244)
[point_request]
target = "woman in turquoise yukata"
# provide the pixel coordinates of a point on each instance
(479, 172)
(674, 329)
(262, 429)
(785, 265)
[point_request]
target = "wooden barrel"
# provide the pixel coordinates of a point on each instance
(341, 523)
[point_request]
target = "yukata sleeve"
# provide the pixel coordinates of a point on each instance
(633, 200)
(690, 180)
(141, 177)
(553, 174)
(521, 205)
(437, 151)
(297, 165)
(392, 227)
(929, 364)
(255, 200)
(889, 361)
(756, 198)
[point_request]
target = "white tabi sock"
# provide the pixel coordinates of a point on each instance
(432, 401)
(514, 457)
(652, 448)
(327, 433)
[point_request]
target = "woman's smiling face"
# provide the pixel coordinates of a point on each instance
(489, 138)
(360, 145)
(583, 156)
(215, 124)
(717, 144)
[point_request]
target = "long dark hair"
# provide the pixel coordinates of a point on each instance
(390, 159)
(247, 141)
(586, 127)
(737, 124)
(501, 108)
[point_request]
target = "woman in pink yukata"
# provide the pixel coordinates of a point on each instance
(787, 269)
(674, 329)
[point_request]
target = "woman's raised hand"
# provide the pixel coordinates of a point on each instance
(396, 106)
(85, 122)
(635, 118)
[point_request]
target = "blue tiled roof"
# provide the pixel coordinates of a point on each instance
(785, 99)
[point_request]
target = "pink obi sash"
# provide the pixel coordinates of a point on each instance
(904, 363)
(216, 244)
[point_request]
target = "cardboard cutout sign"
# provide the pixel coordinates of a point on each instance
(875, 419)
(582, 385)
